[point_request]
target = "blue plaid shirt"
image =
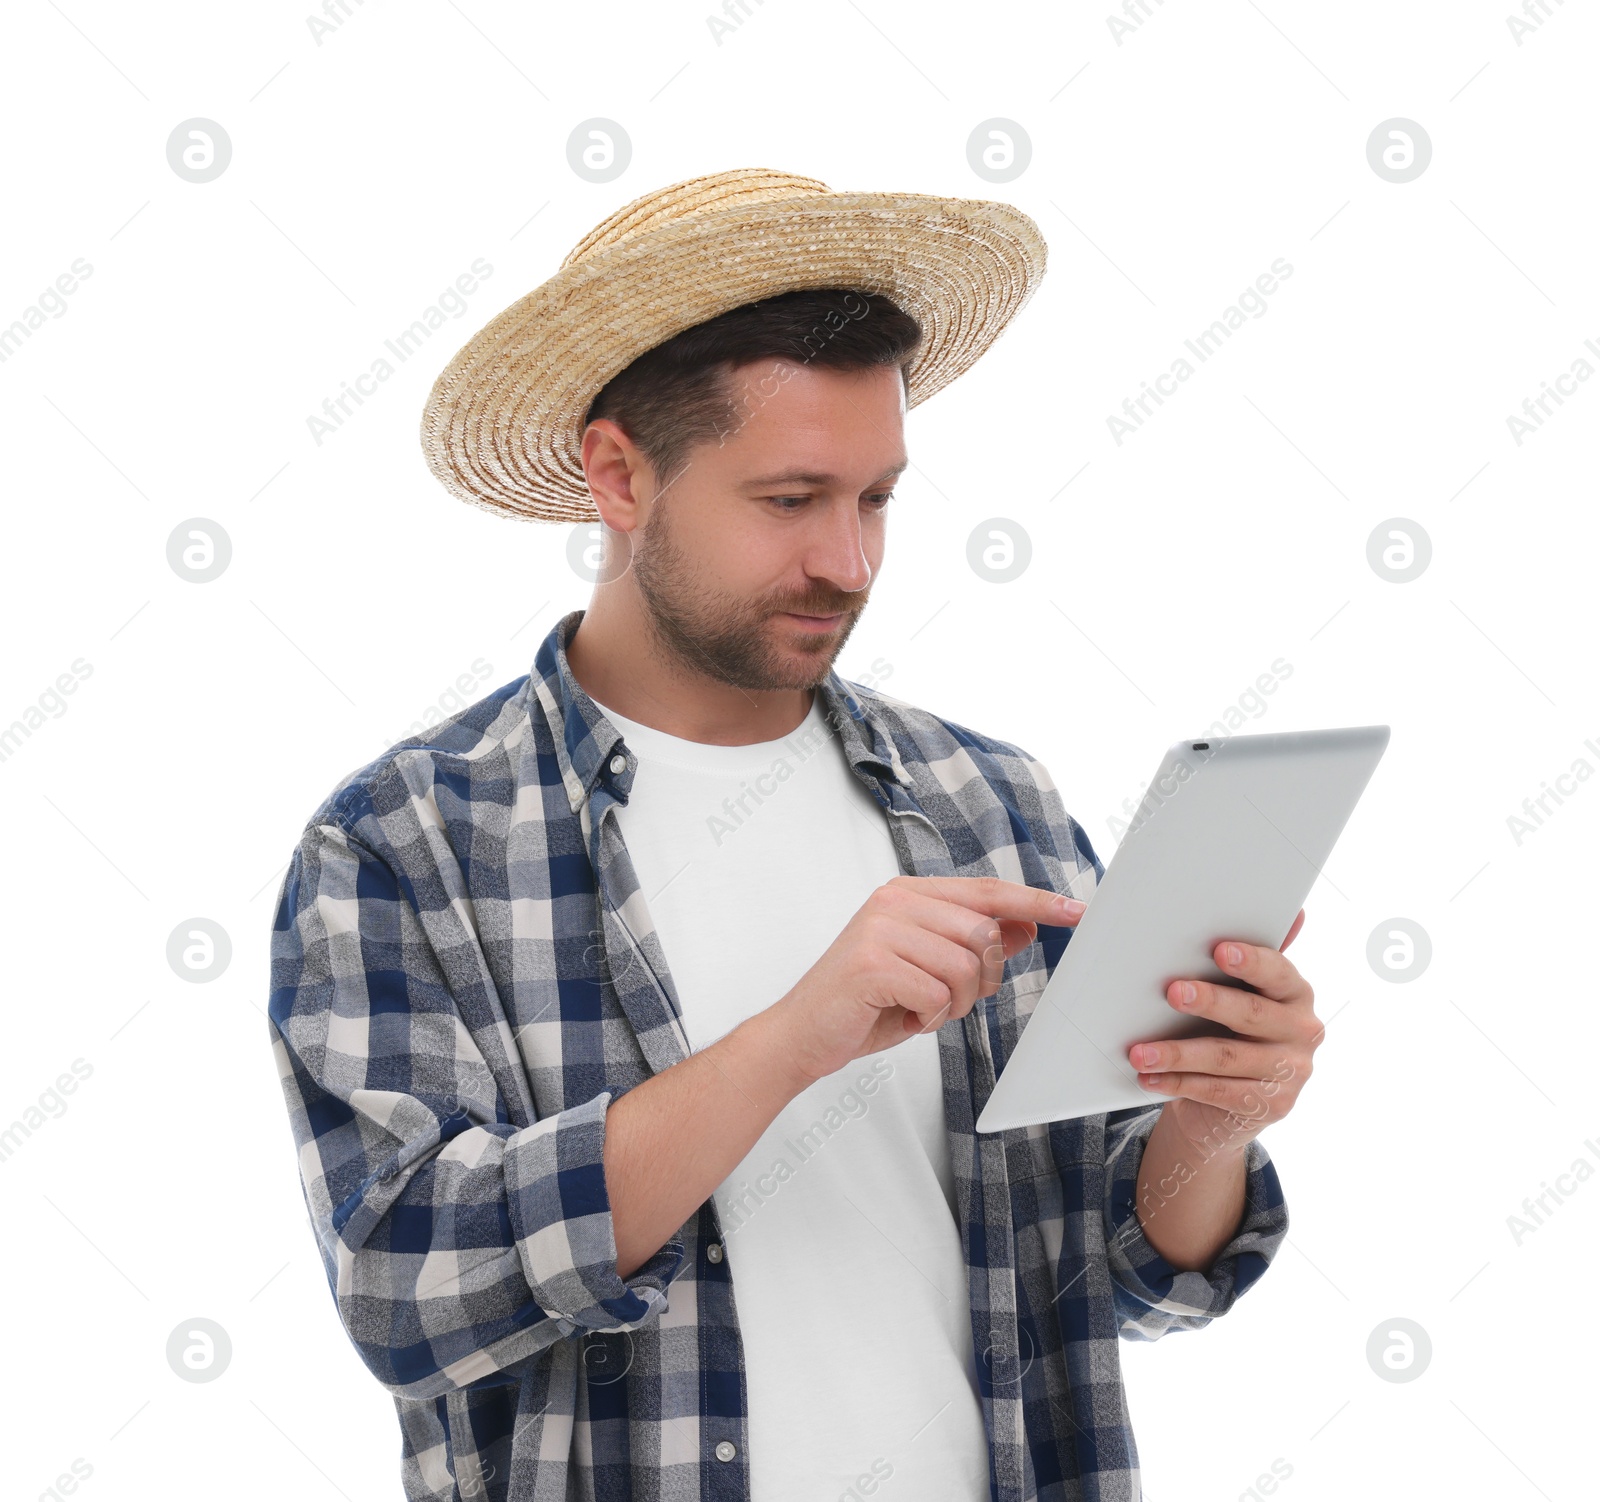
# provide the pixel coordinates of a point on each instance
(465, 976)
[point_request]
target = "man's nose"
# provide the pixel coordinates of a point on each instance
(837, 555)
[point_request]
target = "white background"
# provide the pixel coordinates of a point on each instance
(1168, 170)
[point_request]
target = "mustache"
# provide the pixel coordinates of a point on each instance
(848, 606)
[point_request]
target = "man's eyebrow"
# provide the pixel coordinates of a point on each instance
(814, 477)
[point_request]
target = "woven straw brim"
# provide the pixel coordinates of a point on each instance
(502, 428)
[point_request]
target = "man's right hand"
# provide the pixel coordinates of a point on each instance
(920, 951)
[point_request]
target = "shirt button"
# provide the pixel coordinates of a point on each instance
(726, 1451)
(618, 763)
(714, 1252)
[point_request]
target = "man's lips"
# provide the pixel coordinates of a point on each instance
(814, 622)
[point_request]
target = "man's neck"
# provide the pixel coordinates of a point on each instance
(619, 663)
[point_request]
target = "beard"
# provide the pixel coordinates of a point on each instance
(727, 638)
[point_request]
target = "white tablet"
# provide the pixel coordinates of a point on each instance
(1228, 840)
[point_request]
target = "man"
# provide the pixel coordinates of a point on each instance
(633, 1022)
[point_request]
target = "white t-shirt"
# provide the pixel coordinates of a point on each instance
(841, 1224)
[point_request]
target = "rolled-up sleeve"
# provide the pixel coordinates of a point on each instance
(1152, 1296)
(456, 1241)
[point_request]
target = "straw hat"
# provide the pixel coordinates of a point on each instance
(503, 425)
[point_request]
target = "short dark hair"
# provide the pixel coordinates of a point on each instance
(679, 394)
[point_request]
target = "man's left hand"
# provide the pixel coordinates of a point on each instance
(1228, 1088)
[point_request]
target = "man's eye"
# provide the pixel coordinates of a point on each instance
(782, 502)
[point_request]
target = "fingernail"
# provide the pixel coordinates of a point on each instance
(1185, 994)
(1070, 907)
(1233, 954)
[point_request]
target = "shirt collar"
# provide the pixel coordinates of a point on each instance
(585, 739)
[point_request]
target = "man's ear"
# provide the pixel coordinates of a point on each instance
(620, 478)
